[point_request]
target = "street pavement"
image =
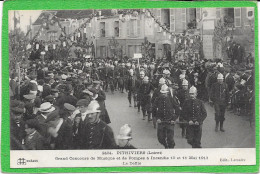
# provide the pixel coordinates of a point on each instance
(238, 133)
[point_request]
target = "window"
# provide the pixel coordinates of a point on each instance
(183, 18)
(229, 17)
(237, 17)
(102, 29)
(102, 51)
(192, 23)
(250, 12)
(172, 19)
(132, 49)
(250, 16)
(198, 16)
(133, 28)
(116, 28)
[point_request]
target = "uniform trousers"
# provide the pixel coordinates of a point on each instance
(193, 135)
(219, 112)
(165, 135)
(130, 94)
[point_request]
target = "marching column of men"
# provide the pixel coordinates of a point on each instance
(61, 104)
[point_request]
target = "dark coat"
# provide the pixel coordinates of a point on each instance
(193, 110)
(71, 100)
(230, 81)
(182, 95)
(35, 143)
(64, 139)
(46, 91)
(166, 108)
(219, 93)
(131, 83)
(101, 101)
(96, 136)
(17, 133)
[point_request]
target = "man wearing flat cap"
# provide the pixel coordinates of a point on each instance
(82, 105)
(60, 131)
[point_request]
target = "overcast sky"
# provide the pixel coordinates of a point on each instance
(24, 18)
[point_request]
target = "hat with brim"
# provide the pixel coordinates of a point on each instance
(83, 102)
(164, 89)
(96, 82)
(93, 107)
(69, 107)
(29, 96)
(123, 137)
(46, 107)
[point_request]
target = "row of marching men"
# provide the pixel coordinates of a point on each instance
(168, 103)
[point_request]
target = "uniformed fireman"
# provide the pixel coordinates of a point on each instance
(194, 113)
(156, 94)
(124, 137)
(138, 85)
(145, 93)
(131, 87)
(165, 109)
(98, 134)
(183, 94)
(219, 95)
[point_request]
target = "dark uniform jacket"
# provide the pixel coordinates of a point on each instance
(166, 108)
(144, 91)
(219, 93)
(194, 110)
(131, 83)
(96, 136)
(182, 95)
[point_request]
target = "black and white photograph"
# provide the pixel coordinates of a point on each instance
(90, 79)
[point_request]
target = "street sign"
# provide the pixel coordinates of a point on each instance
(88, 56)
(137, 55)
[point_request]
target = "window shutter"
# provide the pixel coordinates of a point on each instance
(138, 27)
(159, 17)
(172, 19)
(106, 26)
(183, 18)
(98, 29)
(128, 28)
(218, 13)
(237, 17)
(120, 29)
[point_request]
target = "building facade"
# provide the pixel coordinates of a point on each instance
(115, 34)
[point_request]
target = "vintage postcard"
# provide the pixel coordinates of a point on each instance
(104, 86)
